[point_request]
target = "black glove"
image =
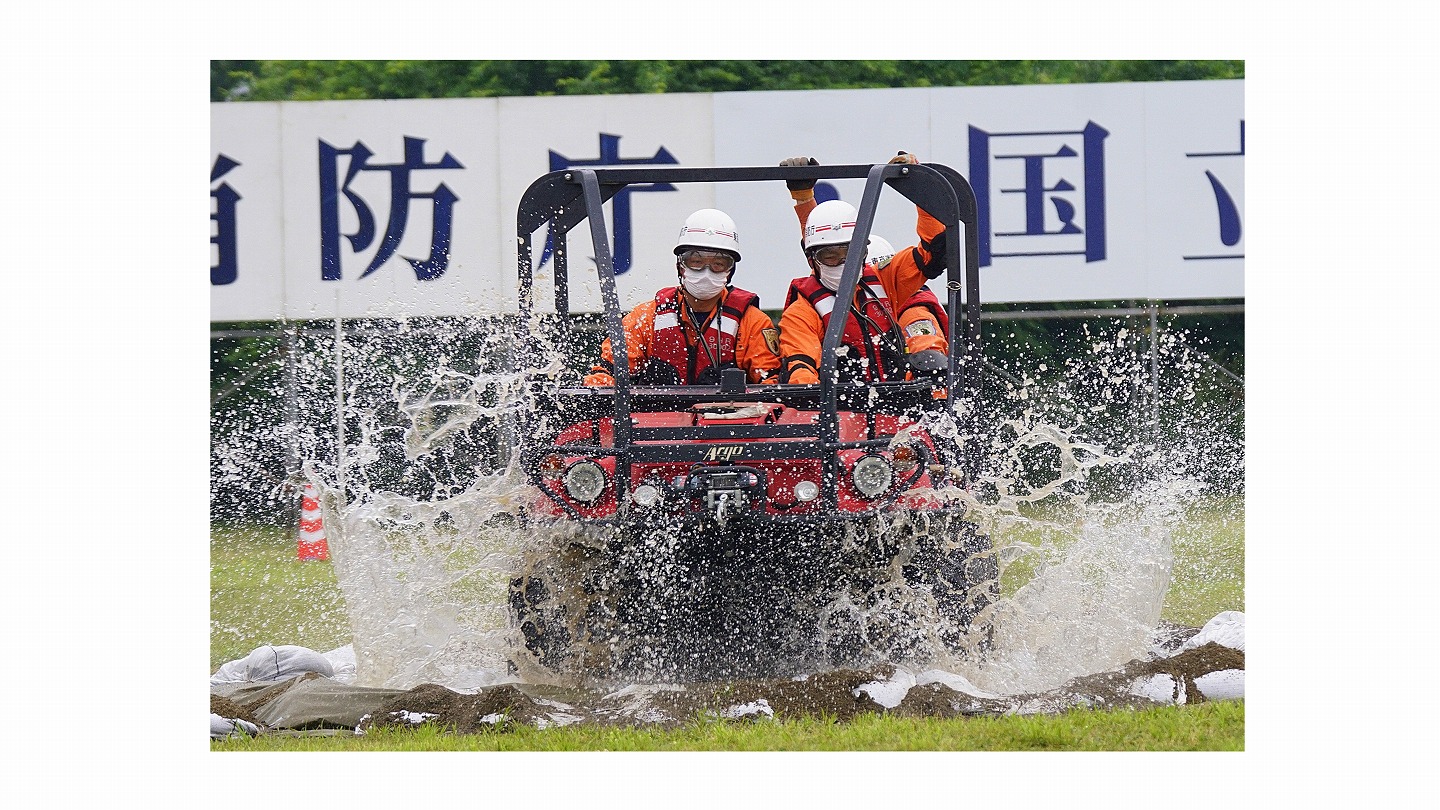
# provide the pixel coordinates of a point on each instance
(800, 185)
(931, 362)
(933, 267)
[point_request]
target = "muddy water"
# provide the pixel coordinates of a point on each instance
(425, 589)
(1082, 521)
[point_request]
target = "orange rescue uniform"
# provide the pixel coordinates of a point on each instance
(922, 327)
(755, 350)
(802, 331)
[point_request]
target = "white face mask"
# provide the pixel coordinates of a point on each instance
(702, 283)
(830, 277)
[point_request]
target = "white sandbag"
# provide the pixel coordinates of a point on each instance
(1227, 629)
(959, 683)
(890, 692)
(223, 727)
(273, 663)
(342, 660)
(1159, 688)
(1227, 684)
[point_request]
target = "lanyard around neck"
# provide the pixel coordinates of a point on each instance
(699, 325)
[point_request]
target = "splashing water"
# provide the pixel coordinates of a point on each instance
(1097, 532)
(1085, 484)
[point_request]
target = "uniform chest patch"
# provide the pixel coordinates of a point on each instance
(924, 326)
(772, 340)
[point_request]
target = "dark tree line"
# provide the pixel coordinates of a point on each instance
(296, 80)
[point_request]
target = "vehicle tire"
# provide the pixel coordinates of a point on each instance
(542, 621)
(966, 584)
(570, 607)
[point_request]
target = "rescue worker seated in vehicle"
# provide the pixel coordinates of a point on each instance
(690, 332)
(877, 345)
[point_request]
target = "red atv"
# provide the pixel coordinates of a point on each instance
(739, 530)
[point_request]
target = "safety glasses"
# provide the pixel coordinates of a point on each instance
(831, 256)
(714, 261)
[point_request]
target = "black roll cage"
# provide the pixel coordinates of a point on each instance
(568, 197)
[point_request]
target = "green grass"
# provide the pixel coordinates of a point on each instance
(1217, 726)
(262, 593)
(1208, 573)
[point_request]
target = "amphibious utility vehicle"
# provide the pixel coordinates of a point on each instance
(744, 529)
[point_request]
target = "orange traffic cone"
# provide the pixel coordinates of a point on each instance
(311, 544)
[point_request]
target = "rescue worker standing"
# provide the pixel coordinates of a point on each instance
(688, 333)
(875, 346)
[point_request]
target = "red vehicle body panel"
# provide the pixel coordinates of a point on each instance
(781, 474)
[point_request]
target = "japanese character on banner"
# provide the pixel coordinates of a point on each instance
(401, 176)
(226, 267)
(621, 251)
(1224, 171)
(1039, 193)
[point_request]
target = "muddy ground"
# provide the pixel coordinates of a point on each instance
(311, 703)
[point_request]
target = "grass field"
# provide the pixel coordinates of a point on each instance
(1208, 573)
(260, 593)
(1217, 726)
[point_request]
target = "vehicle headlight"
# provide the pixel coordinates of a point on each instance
(646, 495)
(585, 480)
(872, 476)
(807, 491)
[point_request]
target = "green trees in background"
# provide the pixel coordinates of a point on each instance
(297, 80)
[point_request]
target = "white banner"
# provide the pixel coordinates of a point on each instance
(396, 208)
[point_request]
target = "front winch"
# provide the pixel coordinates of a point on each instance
(723, 490)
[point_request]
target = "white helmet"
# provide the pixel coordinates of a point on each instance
(831, 223)
(880, 252)
(709, 228)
